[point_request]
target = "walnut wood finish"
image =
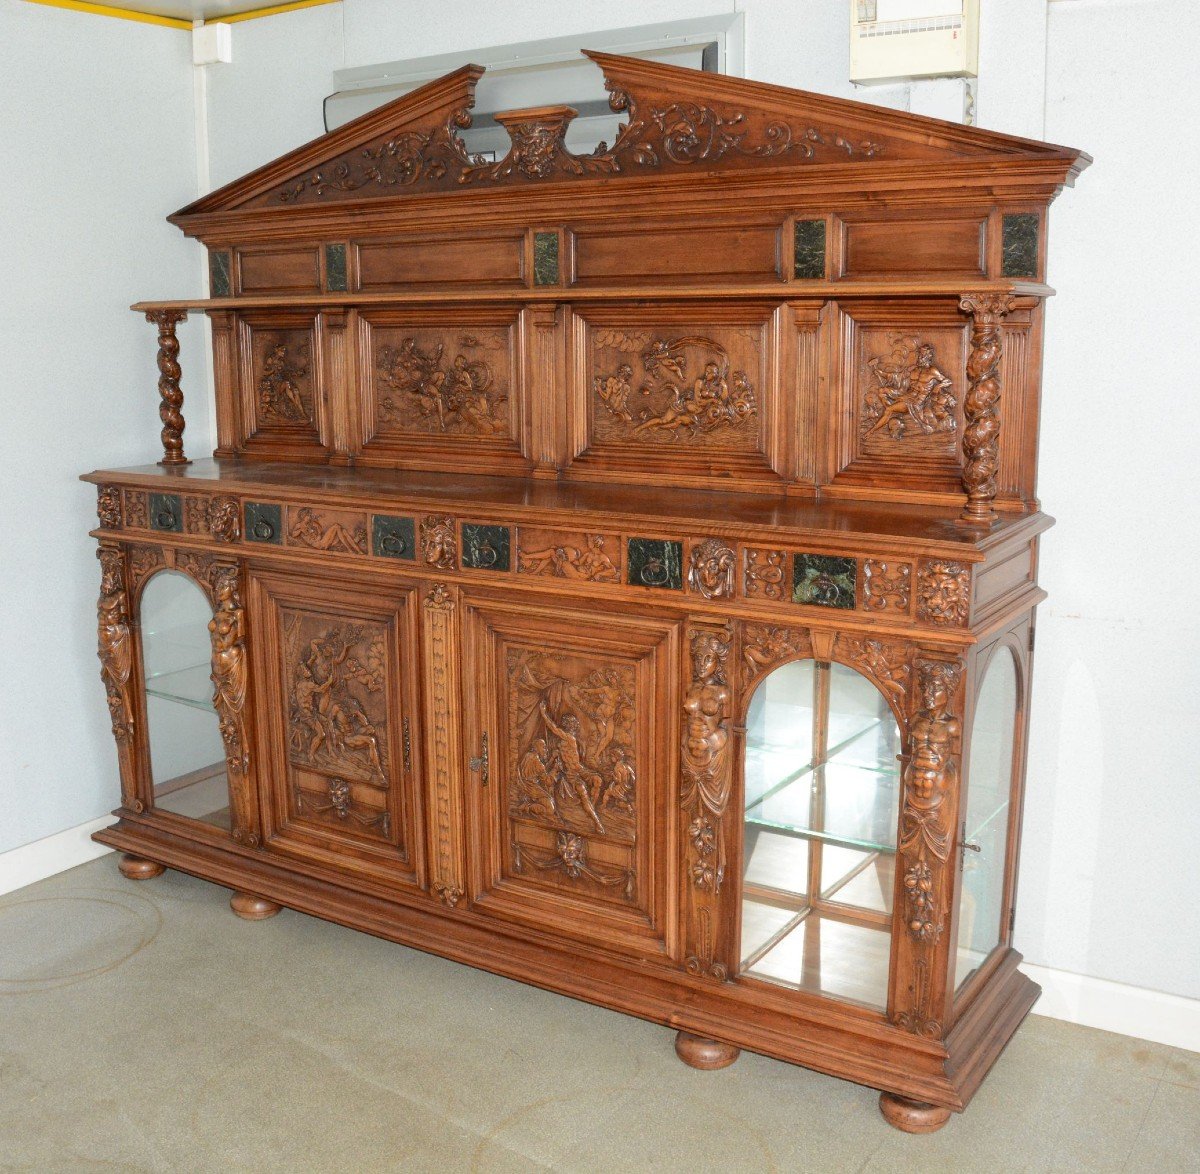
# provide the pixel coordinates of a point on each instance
(525, 481)
(135, 868)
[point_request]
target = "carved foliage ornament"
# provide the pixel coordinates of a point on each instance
(707, 778)
(570, 858)
(886, 585)
(108, 507)
(764, 573)
(679, 134)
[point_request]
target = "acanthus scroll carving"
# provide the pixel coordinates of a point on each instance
(764, 573)
(707, 778)
(673, 135)
(711, 568)
(886, 585)
(981, 409)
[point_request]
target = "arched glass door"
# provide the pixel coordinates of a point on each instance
(822, 784)
(187, 755)
(985, 826)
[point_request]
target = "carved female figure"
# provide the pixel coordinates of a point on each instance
(227, 631)
(115, 642)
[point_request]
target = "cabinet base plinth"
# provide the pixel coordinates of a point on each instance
(135, 868)
(252, 908)
(705, 1054)
(912, 1116)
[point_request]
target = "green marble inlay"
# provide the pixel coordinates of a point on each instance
(655, 562)
(1019, 245)
(545, 258)
(166, 512)
(823, 580)
(264, 522)
(485, 548)
(335, 268)
(393, 537)
(810, 249)
(219, 268)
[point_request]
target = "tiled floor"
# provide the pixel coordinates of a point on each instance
(144, 1027)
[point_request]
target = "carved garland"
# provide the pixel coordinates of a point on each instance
(981, 414)
(439, 607)
(570, 858)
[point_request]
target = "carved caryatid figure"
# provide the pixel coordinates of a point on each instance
(711, 571)
(932, 766)
(115, 641)
(706, 775)
(911, 394)
(229, 670)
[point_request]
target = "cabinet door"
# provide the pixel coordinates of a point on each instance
(570, 720)
(337, 670)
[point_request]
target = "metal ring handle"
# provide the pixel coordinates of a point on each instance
(486, 555)
(263, 530)
(654, 573)
(393, 544)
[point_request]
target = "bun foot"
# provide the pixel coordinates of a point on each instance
(135, 868)
(705, 1054)
(253, 908)
(912, 1116)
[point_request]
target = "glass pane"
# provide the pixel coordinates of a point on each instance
(989, 783)
(187, 756)
(822, 791)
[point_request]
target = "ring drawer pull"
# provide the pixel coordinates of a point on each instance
(263, 530)
(393, 544)
(654, 573)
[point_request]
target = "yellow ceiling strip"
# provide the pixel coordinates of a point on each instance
(170, 22)
(272, 11)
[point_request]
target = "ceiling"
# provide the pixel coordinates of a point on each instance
(208, 10)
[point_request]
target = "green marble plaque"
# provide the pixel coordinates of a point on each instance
(823, 580)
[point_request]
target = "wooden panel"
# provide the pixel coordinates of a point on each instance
(442, 386)
(280, 405)
(291, 269)
(572, 555)
(676, 253)
(398, 264)
(679, 394)
(873, 248)
(572, 820)
(902, 381)
(337, 665)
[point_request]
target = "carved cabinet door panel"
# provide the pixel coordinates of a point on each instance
(337, 667)
(572, 744)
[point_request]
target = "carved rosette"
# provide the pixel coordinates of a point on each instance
(711, 568)
(707, 779)
(439, 543)
(930, 799)
(108, 507)
(115, 649)
(224, 521)
(981, 408)
(944, 593)
(230, 673)
(886, 585)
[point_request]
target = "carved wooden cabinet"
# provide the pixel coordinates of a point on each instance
(616, 571)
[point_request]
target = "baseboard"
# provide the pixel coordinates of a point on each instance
(34, 862)
(1114, 1006)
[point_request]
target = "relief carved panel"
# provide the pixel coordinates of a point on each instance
(555, 554)
(439, 381)
(697, 386)
(333, 530)
(886, 586)
(943, 592)
(282, 377)
(764, 574)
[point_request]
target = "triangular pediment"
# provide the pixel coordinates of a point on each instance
(677, 120)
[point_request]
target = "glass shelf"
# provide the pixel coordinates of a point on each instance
(187, 686)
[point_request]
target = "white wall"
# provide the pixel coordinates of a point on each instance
(98, 147)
